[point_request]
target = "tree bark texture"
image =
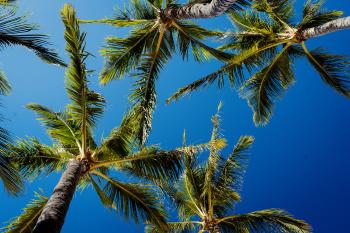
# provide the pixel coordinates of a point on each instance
(199, 10)
(52, 217)
(332, 26)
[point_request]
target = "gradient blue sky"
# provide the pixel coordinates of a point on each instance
(299, 162)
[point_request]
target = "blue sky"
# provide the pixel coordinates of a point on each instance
(299, 162)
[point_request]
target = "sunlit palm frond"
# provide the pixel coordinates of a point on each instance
(124, 54)
(137, 13)
(230, 177)
(134, 201)
(143, 96)
(174, 227)
(183, 203)
(32, 158)
(25, 222)
(5, 87)
(15, 30)
(314, 15)
(230, 172)
(59, 126)
(155, 163)
(279, 10)
(248, 59)
(268, 84)
(86, 105)
(191, 35)
(191, 187)
(120, 141)
(212, 163)
(251, 21)
(333, 69)
(270, 220)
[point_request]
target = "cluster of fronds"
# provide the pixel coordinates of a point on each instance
(266, 42)
(207, 193)
(150, 44)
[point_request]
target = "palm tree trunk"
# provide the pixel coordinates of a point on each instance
(199, 10)
(214, 229)
(52, 217)
(332, 26)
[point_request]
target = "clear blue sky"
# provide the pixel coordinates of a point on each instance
(299, 162)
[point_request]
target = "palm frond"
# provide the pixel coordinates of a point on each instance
(333, 69)
(230, 177)
(183, 203)
(117, 22)
(174, 227)
(270, 220)
(268, 84)
(143, 96)
(120, 141)
(15, 30)
(212, 163)
(231, 171)
(134, 201)
(155, 163)
(25, 222)
(86, 105)
(252, 22)
(248, 59)
(32, 158)
(9, 174)
(123, 54)
(279, 10)
(190, 36)
(5, 87)
(59, 126)
(314, 15)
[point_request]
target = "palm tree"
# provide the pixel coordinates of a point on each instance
(206, 194)
(266, 43)
(152, 41)
(15, 30)
(85, 162)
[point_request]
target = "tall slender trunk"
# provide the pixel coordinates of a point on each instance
(52, 217)
(332, 26)
(199, 10)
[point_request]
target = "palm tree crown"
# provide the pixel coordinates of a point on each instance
(205, 195)
(267, 42)
(152, 41)
(74, 145)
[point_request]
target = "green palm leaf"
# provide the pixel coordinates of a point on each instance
(174, 227)
(248, 59)
(14, 30)
(314, 15)
(32, 158)
(8, 173)
(190, 36)
(143, 97)
(86, 105)
(134, 201)
(264, 86)
(280, 11)
(5, 87)
(59, 126)
(333, 69)
(124, 54)
(25, 222)
(269, 220)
